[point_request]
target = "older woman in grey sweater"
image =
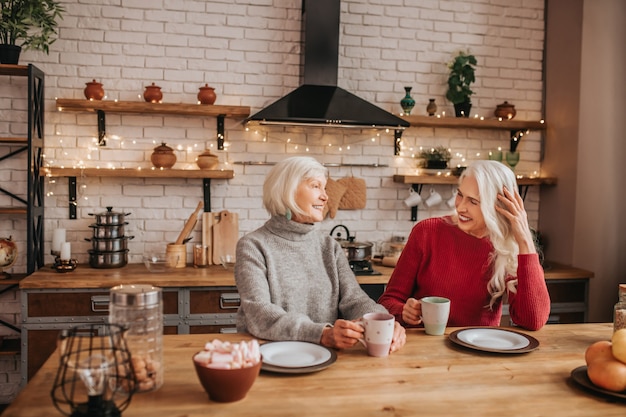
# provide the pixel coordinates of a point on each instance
(294, 281)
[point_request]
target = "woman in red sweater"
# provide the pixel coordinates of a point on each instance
(473, 258)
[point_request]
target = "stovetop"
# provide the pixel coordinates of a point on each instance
(363, 268)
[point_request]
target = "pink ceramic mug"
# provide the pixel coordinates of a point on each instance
(378, 333)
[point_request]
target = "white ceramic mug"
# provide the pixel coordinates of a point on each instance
(451, 202)
(435, 313)
(378, 333)
(434, 199)
(413, 199)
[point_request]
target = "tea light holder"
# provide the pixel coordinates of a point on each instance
(64, 265)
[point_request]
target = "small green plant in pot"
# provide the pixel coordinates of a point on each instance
(27, 24)
(435, 158)
(461, 77)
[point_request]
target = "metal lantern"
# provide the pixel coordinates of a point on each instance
(95, 376)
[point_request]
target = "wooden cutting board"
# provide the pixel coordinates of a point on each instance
(208, 220)
(225, 235)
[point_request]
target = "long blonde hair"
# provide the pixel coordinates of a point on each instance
(492, 177)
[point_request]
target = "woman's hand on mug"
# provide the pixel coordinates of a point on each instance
(399, 337)
(343, 334)
(412, 312)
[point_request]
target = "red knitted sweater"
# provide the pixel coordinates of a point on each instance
(440, 259)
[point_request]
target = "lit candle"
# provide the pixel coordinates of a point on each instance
(66, 251)
(58, 237)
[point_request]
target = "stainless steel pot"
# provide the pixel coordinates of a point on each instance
(110, 245)
(104, 260)
(355, 251)
(110, 231)
(109, 217)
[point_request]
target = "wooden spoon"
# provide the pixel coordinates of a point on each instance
(191, 222)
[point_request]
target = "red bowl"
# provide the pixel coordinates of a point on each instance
(227, 385)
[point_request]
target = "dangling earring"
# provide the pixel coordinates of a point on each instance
(288, 213)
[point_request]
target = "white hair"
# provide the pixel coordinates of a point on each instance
(281, 183)
(492, 177)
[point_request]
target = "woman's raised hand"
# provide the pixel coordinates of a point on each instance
(412, 312)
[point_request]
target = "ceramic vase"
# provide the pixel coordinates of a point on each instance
(431, 108)
(206, 160)
(94, 90)
(206, 95)
(153, 94)
(163, 156)
(407, 103)
(505, 111)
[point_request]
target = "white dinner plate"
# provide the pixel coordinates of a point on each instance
(293, 354)
(490, 339)
(493, 339)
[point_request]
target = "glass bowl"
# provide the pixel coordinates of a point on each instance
(157, 262)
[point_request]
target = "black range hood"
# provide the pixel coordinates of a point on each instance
(319, 101)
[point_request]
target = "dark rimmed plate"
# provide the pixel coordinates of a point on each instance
(294, 357)
(494, 340)
(580, 377)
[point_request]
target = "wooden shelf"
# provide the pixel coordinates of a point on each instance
(181, 109)
(137, 173)
(473, 123)
(452, 179)
(20, 141)
(19, 70)
(10, 347)
(13, 210)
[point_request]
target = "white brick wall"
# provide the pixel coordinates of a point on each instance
(250, 52)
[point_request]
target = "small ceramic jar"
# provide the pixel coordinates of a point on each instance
(206, 160)
(163, 156)
(206, 95)
(153, 94)
(94, 90)
(505, 111)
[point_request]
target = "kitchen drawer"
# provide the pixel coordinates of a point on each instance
(82, 304)
(222, 328)
(223, 300)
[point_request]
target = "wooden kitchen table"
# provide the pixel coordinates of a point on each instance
(430, 376)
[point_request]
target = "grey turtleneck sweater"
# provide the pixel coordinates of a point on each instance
(293, 280)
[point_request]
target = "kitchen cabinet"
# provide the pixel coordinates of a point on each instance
(29, 202)
(101, 107)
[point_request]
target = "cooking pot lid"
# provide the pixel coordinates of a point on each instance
(110, 212)
(346, 244)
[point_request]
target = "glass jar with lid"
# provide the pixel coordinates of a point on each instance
(619, 311)
(140, 309)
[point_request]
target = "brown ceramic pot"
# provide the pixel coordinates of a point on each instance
(505, 110)
(94, 90)
(206, 160)
(153, 94)
(206, 95)
(163, 156)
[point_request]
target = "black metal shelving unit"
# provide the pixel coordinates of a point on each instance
(32, 203)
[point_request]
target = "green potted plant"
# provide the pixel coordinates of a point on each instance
(435, 158)
(28, 24)
(461, 77)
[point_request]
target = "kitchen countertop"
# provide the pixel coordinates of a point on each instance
(430, 376)
(212, 276)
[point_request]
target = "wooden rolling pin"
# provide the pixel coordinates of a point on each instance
(191, 222)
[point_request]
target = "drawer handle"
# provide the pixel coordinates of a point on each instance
(230, 301)
(228, 330)
(99, 303)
